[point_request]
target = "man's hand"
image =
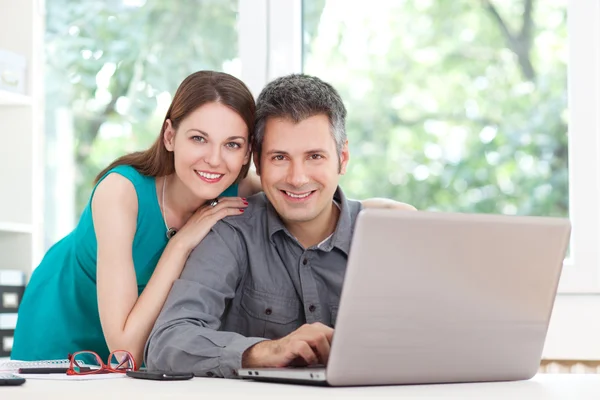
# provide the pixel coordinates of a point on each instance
(307, 345)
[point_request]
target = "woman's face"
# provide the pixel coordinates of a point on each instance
(210, 148)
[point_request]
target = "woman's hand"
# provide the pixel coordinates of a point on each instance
(200, 223)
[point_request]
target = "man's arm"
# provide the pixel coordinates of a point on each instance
(378, 202)
(186, 337)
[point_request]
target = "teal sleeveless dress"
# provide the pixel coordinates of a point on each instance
(58, 314)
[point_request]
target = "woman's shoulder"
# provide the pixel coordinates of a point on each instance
(144, 185)
(129, 172)
(124, 183)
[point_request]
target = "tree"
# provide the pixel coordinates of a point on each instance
(462, 113)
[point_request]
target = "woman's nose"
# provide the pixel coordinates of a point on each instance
(213, 158)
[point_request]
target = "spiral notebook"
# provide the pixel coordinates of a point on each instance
(14, 365)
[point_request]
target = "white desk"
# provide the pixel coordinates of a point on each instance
(579, 387)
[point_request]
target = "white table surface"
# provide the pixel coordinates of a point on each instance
(542, 386)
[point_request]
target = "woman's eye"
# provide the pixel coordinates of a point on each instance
(234, 145)
(200, 139)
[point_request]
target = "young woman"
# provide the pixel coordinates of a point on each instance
(103, 286)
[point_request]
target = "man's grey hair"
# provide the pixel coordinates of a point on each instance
(297, 97)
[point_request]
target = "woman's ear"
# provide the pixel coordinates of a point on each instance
(169, 135)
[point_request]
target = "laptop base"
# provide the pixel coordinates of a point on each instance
(301, 376)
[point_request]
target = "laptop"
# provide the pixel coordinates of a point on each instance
(438, 298)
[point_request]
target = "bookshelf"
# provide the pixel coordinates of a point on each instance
(14, 99)
(21, 148)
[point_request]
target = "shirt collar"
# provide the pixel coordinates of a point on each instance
(342, 236)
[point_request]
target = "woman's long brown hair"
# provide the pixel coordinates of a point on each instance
(200, 88)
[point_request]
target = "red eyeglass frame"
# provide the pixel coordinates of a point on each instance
(104, 368)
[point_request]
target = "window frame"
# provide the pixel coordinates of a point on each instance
(581, 273)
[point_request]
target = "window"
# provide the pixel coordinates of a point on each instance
(111, 67)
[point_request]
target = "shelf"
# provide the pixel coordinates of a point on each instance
(13, 99)
(15, 227)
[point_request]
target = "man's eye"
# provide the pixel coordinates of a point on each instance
(316, 157)
(278, 158)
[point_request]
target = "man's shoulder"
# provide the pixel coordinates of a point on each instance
(355, 206)
(253, 215)
(236, 232)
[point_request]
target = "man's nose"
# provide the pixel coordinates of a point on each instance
(297, 175)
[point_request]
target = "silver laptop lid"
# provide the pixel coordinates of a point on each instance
(435, 297)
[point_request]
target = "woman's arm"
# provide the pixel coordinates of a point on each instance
(126, 318)
(377, 202)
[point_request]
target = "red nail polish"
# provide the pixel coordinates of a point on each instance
(245, 202)
(243, 198)
(241, 209)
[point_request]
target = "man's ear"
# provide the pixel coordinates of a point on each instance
(169, 135)
(344, 158)
(256, 159)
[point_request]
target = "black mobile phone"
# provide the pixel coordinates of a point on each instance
(10, 379)
(160, 375)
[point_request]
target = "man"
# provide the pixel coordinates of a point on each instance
(275, 272)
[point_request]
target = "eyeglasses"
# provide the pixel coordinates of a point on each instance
(86, 362)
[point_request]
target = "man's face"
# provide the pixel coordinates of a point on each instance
(300, 168)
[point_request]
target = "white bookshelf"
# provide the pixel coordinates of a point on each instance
(14, 99)
(21, 148)
(15, 227)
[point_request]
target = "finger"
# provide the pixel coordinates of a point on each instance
(232, 202)
(303, 350)
(224, 212)
(236, 200)
(229, 202)
(321, 347)
(326, 330)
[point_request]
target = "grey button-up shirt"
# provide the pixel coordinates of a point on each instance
(247, 281)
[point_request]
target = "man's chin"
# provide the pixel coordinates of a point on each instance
(297, 217)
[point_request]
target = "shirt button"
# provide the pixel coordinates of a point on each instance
(305, 261)
(268, 311)
(312, 308)
(210, 374)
